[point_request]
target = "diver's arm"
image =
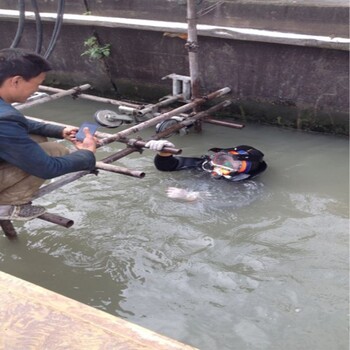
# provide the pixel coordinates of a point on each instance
(167, 162)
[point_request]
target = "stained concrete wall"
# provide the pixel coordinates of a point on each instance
(292, 85)
(328, 17)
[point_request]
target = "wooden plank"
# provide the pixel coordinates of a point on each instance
(32, 317)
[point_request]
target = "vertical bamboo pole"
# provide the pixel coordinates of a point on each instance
(8, 228)
(192, 47)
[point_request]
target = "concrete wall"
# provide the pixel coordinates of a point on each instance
(298, 86)
(298, 16)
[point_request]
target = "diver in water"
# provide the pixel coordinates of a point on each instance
(233, 164)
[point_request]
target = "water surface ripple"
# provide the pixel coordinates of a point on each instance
(256, 265)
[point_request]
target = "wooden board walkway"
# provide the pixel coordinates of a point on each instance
(32, 317)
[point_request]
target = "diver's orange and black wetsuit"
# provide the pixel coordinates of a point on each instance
(235, 164)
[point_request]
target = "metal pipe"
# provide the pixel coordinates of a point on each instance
(57, 219)
(192, 119)
(119, 170)
(63, 93)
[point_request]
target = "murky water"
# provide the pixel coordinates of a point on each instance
(257, 265)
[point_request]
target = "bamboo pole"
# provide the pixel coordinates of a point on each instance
(120, 154)
(77, 175)
(154, 107)
(59, 183)
(129, 142)
(93, 98)
(191, 120)
(103, 165)
(223, 123)
(64, 180)
(192, 47)
(72, 91)
(139, 110)
(8, 228)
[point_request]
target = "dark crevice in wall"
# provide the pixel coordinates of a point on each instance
(106, 65)
(86, 4)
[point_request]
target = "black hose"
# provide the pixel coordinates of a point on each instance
(57, 29)
(39, 27)
(20, 26)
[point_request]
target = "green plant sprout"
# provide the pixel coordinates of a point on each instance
(94, 50)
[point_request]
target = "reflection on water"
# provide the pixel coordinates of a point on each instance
(261, 264)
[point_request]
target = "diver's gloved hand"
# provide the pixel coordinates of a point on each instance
(158, 145)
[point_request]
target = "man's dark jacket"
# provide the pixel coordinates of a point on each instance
(17, 148)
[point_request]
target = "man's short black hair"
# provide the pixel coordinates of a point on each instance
(21, 62)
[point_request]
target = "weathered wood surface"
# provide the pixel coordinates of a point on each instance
(32, 317)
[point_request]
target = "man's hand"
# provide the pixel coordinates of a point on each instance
(69, 133)
(89, 142)
(158, 145)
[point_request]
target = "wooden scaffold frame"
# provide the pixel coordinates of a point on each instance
(189, 111)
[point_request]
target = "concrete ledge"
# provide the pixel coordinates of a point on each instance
(32, 317)
(246, 34)
(326, 17)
